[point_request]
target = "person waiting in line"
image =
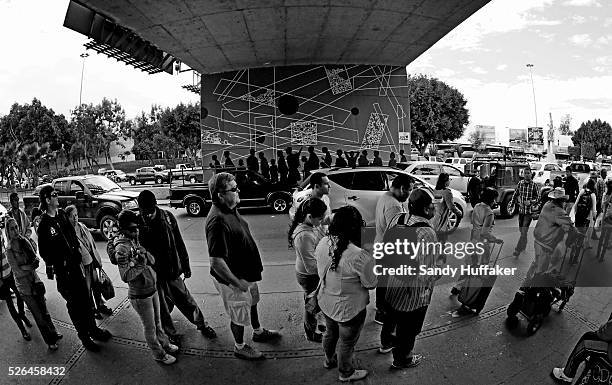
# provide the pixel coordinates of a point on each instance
(283, 170)
(340, 161)
(392, 161)
(445, 206)
(351, 158)
(228, 160)
(235, 265)
(319, 185)
(215, 161)
(363, 159)
(21, 217)
(327, 159)
(304, 238)
(584, 214)
(273, 171)
(408, 298)
(8, 288)
(600, 188)
(252, 162)
(403, 158)
(23, 261)
(483, 220)
(347, 274)
(526, 197)
(475, 187)
(377, 161)
(265, 167)
(606, 223)
(160, 235)
(134, 264)
(589, 345)
(388, 209)
(91, 262)
(571, 186)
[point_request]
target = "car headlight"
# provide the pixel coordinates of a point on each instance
(129, 205)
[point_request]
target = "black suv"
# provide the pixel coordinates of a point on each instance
(255, 191)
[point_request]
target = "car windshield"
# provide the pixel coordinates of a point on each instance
(100, 185)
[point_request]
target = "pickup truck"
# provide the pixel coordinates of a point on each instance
(98, 200)
(255, 191)
(148, 174)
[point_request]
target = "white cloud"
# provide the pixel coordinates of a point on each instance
(582, 3)
(479, 70)
(577, 19)
(582, 40)
(604, 40)
(501, 67)
(445, 73)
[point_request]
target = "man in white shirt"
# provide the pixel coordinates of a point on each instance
(319, 184)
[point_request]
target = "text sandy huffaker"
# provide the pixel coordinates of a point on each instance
(449, 271)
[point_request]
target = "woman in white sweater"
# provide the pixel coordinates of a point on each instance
(304, 236)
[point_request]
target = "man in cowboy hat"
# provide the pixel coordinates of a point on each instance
(552, 226)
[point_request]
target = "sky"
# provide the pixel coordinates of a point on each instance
(569, 43)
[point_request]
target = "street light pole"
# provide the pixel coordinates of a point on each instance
(530, 66)
(83, 55)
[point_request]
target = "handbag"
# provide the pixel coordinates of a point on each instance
(106, 286)
(312, 302)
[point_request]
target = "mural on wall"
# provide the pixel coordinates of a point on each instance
(340, 107)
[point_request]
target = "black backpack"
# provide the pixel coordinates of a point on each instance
(584, 205)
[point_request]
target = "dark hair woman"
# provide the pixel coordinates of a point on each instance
(304, 236)
(347, 273)
(444, 207)
(606, 223)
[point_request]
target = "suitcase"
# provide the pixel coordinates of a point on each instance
(476, 289)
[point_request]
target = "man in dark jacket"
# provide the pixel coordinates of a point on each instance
(59, 248)
(571, 187)
(160, 235)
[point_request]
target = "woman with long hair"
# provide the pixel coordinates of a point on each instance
(347, 274)
(606, 223)
(304, 237)
(24, 262)
(445, 206)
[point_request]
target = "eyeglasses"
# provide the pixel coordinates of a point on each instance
(235, 189)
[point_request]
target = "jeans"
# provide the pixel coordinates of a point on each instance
(309, 284)
(581, 352)
(16, 314)
(524, 221)
(174, 292)
(345, 335)
(38, 307)
(148, 311)
(72, 286)
(408, 326)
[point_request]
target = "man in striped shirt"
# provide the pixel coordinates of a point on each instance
(526, 196)
(408, 298)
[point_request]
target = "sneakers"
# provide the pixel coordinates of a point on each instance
(379, 318)
(358, 374)
(101, 335)
(314, 337)
(208, 332)
(557, 374)
(415, 360)
(385, 349)
(90, 345)
(171, 348)
(167, 360)
(265, 335)
(248, 353)
(462, 311)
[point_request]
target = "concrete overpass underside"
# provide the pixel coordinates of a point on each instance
(288, 72)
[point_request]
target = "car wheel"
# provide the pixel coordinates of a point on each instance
(107, 223)
(508, 209)
(279, 204)
(195, 207)
(453, 220)
(133, 182)
(159, 180)
(192, 179)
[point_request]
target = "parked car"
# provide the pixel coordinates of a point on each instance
(148, 174)
(255, 191)
(545, 172)
(429, 171)
(98, 200)
(116, 175)
(102, 171)
(458, 162)
(362, 187)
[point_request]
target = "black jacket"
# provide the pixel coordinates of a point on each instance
(57, 242)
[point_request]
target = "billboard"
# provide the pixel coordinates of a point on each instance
(535, 135)
(518, 136)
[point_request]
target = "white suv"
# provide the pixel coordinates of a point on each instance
(361, 187)
(545, 172)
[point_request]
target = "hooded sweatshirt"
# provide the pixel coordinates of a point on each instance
(135, 268)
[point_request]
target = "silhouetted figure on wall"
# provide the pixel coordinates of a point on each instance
(403, 158)
(265, 168)
(216, 161)
(363, 159)
(377, 160)
(252, 163)
(273, 171)
(351, 158)
(283, 170)
(293, 163)
(228, 161)
(241, 164)
(306, 168)
(313, 159)
(340, 161)
(392, 161)
(327, 159)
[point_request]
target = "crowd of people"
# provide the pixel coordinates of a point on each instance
(333, 266)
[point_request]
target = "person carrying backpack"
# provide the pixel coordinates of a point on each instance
(584, 213)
